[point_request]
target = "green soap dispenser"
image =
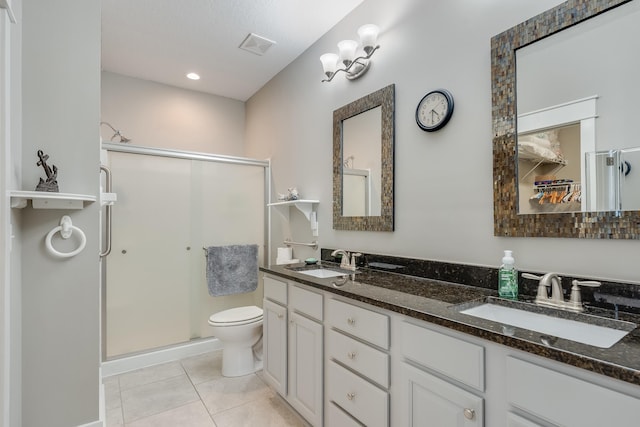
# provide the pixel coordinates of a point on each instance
(508, 277)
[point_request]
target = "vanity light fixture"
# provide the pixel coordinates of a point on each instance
(117, 133)
(193, 76)
(346, 59)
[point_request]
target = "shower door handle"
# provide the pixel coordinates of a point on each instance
(107, 249)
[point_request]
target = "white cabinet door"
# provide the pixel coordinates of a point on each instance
(275, 346)
(305, 367)
(537, 390)
(431, 401)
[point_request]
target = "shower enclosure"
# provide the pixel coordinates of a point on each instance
(170, 206)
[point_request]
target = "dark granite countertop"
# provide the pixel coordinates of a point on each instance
(439, 302)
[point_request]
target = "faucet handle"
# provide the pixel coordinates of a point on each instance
(354, 256)
(575, 303)
(542, 287)
(589, 283)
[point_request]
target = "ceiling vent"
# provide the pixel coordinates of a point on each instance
(256, 44)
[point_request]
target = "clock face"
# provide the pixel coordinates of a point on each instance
(434, 110)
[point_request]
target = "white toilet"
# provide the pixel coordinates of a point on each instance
(240, 332)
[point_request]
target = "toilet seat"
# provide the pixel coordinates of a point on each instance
(236, 316)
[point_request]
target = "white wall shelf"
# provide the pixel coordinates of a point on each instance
(309, 209)
(49, 200)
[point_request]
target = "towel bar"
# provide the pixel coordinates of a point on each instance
(313, 244)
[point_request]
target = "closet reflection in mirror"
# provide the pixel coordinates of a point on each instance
(577, 107)
(361, 168)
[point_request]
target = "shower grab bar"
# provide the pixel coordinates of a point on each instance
(107, 250)
(313, 244)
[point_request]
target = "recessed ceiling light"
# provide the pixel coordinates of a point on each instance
(193, 76)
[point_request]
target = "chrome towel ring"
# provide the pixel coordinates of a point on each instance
(66, 229)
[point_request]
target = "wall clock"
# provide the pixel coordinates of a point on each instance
(434, 110)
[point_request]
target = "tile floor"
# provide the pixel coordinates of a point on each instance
(193, 393)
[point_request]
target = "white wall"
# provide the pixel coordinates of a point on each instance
(443, 185)
(10, 126)
(157, 115)
(60, 298)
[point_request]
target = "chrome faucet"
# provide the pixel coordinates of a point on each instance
(554, 281)
(344, 262)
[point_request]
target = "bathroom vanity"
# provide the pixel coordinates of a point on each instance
(397, 351)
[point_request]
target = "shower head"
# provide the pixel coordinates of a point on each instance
(117, 133)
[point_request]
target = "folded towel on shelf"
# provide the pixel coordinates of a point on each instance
(232, 269)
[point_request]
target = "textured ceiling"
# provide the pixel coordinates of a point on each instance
(162, 40)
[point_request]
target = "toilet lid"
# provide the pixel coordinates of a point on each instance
(237, 316)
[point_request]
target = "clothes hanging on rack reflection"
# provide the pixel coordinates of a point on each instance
(558, 193)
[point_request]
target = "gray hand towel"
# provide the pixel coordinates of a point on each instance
(232, 269)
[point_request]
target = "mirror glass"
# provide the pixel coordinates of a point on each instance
(363, 137)
(604, 146)
(362, 164)
(576, 104)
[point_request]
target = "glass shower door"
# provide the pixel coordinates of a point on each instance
(168, 210)
(148, 268)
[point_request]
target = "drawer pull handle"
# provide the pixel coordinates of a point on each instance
(352, 355)
(469, 413)
(351, 321)
(351, 396)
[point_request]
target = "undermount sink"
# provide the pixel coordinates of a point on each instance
(322, 273)
(572, 326)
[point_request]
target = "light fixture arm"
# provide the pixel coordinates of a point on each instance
(357, 67)
(117, 133)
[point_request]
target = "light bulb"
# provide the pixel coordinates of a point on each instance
(329, 63)
(368, 36)
(347, 50)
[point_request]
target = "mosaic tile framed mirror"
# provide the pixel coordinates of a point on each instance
(598, 212)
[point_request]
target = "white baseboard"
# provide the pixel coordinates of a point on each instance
(93, 424)
(155, 357)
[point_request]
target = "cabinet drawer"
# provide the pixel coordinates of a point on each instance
(362, 323)
(561, 399)
(366, 360)
(514, 420)
(305, 302)
(455, 358)
(366, 402)
(275, 290)
(336, 417)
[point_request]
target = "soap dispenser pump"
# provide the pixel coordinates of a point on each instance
(508, 277)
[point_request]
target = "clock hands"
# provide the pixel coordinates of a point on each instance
(433, 119)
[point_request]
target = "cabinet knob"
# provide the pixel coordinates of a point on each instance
(351, 396)
(351, 355)
(469, 413)
(351, 321)
(280, 316)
